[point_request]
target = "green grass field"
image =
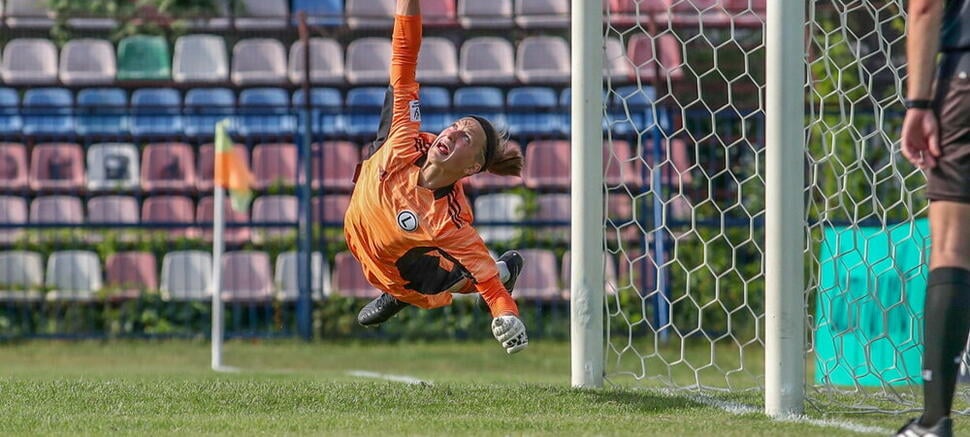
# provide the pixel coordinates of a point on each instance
(288, 387)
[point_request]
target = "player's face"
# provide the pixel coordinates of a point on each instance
(459, 146)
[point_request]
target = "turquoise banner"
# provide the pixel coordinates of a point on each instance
(869, 305)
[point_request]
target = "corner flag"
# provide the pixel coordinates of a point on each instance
(231, 172)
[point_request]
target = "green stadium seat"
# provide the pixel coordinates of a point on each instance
(143, 57)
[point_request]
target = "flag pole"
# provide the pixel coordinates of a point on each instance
(218, 226)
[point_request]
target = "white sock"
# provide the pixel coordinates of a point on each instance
(503, 271)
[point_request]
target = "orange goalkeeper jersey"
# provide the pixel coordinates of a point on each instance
(412, 242)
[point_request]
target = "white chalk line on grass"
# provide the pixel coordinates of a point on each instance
(739, 409)
(388, 377)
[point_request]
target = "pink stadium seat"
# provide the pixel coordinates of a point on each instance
(553, 208)
(609, 274)
(113, 209)
(620, 223)
(128, 274)
(640, 52)
(438, 13)
(170, 209)
(716, 13)
(489, 182)
(487, 60)
(491, 14)
(348, 278)
(336, 172)
(542, 14)
(330, 208)
(437, 61)
(368, 61)
(618, 165)
(207, 164)
(543, 60)
(56, 209)
(274, 164)
(233, 235)
(547, 165)
(168, 167)
(57, 166)
(326, 62)
(616, 65)
(674, 165)
(274, 209)
(540, 280)
(13, 167)
(631, 12)
(13, 210)
(246, 277)
(369, 14)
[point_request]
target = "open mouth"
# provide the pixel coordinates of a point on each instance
(442, 148)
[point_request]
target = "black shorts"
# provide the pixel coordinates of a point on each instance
(950, 179)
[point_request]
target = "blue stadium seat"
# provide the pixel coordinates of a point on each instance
(48, 112)
(265, 112)
(204, 107)
(487, 102)
(327, 111)
(435, 109)
(102, 112)
(10, 121)
(532, 111)
(156, 112)
(631, 110)
(319, 12)
(364, 111)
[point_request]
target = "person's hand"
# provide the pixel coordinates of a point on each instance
(921, 138)
(510, 332)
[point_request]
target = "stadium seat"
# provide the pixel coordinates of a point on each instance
(128, 274)
(500, 207)
(200, 59)
(547, 165)
(714, 13)
(610, 283)
(487, 60)
(112, 209)
(747, 13)
(13, 211)
(13, 167)
(57, 209)
(28, 14)
(363, 111)
(265, 112)
(156, 113)
(369, 14)
(87, 61)
(539, 281)
(438, 13)
(204, 107)
(487, 102)
(113, 166)
(29, 61)
(258, 61)
(10, 121)
(616, 65)
(532, 111)
(620, 222)
(437, 61)
(630, 110)
(205, 171)
(330, 209)
(287, 283)
(217, 21)
(21, 276)
(348, 278)
(170, 211)
(478, 14)
(144, 57)
(336, 171)
(167, 167)
(56, 166)
(102, 112)
(640, 51)
(369, 61)
(631, 12)
(674, 164)
(261, 14)
(73, 275)
(327, 111)
(326, 62)
(543, 60)
(553, 208)
(232, 235)
(435, 109)
(274, 208)
(186, 275)
(47, 112)
(274, 164)
(617, 168)
(320, 12)
(542, 14)
(246, 276)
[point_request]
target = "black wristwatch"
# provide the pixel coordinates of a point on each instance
(918, 103)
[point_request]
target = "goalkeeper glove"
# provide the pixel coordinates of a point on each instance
(510, 332)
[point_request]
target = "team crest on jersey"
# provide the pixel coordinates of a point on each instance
(407, 220)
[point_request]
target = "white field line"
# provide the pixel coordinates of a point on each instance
(396, 378)
(739, 409)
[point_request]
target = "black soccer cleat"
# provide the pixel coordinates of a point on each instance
(514, 262)
(379, 310)
(913, 428)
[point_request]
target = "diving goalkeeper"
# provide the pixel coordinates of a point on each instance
(409, 222)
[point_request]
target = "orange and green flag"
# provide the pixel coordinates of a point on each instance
(231, 172)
